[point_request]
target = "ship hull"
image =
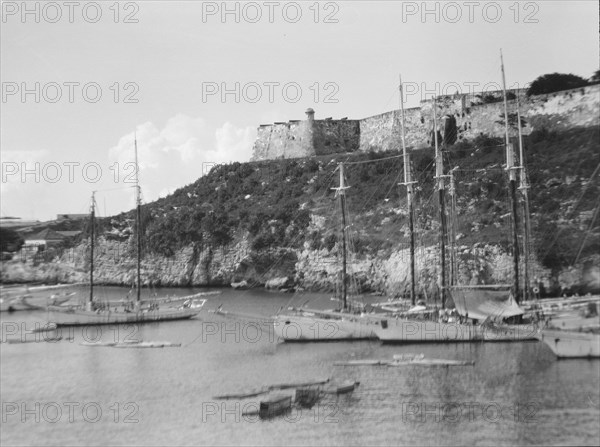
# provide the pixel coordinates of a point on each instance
(80, 317)
(422, 331)
(508, 332)
(304, 328)
(16, 304)
(568, 344)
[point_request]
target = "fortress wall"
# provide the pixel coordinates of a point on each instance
(379, 132)
(283, 140)
(475, 114)
(563, 110)
(336, 136)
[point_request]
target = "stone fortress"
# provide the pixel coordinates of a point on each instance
(460, 116)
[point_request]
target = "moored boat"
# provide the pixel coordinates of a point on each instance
(307, 397)
(480, 315)
(347, 386)
(13, 302)
(305, 326)
(16, 303)
(571, 344)
(30, 298)
(348, 323)
(77, 316)
(274, 406)
(242, 285)
(573, 334)
(94, 312)
(483, 313)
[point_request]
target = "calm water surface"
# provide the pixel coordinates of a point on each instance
(63, 393)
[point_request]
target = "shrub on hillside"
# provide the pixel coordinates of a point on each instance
(10, 240)
(555, 82)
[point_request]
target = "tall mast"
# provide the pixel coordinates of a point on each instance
(409, 199)
(138, 222)
(526, 222)
(92, 223)
(452, 235)
(512, 175)
(439, 175)
(342, 194)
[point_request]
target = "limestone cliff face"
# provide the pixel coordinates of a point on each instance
(485, 264)
(315, 270)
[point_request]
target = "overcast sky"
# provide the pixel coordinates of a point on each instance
(78, 79)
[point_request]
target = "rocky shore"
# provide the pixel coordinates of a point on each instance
(290, 269)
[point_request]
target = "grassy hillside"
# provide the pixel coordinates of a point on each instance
(273, 202)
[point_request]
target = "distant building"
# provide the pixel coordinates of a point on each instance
(45, 238)
(40, 241)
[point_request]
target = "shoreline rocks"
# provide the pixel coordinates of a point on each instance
(310, 270)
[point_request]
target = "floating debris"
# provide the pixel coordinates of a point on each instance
(242, 395)
(133, 344)
(406, 360)
(46, 328)
(283, 386)
(42, 340)
(149, 344)
(266, 389)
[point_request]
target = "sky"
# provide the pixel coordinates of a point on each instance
(191, 81)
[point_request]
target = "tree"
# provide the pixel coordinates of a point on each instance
(10, 240)
(595, 79)
(555, 82)
(513, 121)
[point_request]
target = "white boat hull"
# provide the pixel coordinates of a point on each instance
(569, 344)
(19, 303)
(422, 331)
(26, 301)
(415, 331)
(80, 317)
(509, 332)
(307, 328)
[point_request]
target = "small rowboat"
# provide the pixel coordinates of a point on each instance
(272, 406)
(341, 388)
(307, 397)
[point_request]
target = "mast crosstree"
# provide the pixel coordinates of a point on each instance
(341, 192)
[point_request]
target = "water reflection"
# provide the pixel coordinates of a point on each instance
(172, 388)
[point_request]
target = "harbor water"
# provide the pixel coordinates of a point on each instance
(64, 393)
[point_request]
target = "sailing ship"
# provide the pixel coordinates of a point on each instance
(242, 285)
(573, 327)
(418, 323)
(95, 312)
(481, 311)
(571, 344)
(348, 323)
(20, 299)
(574, 333)
(16, 303)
